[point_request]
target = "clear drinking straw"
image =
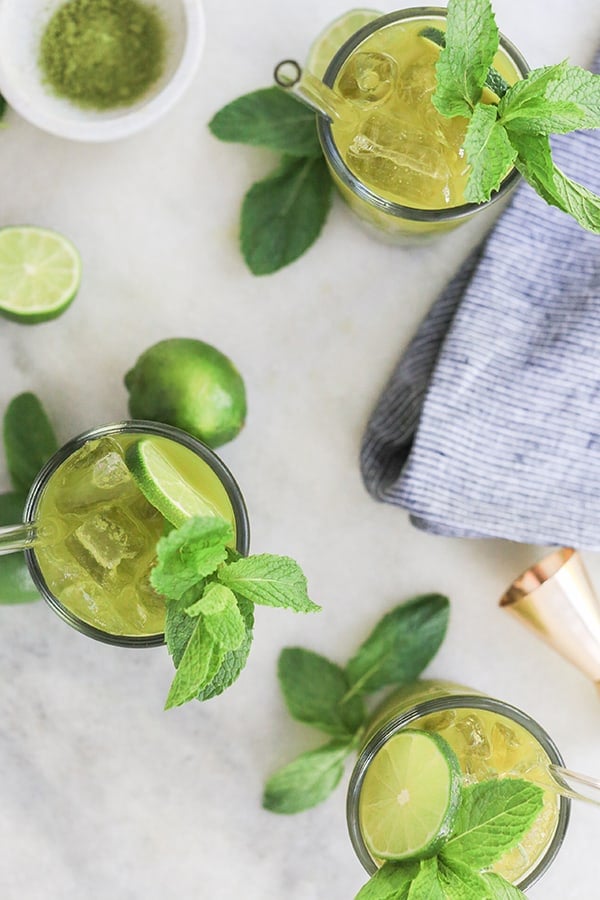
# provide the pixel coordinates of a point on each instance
(314, 93)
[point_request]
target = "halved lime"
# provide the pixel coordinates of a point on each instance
(410, 796)
(326, 45)
(40, 272)
(162, 483)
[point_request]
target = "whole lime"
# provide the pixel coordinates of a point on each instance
(191, 385)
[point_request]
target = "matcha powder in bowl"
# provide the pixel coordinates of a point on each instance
(98, 70)
(103, 53)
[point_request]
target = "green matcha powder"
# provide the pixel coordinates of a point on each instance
(102, 53)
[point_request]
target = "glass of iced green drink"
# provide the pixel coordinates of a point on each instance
(90, 534)
(491, 740)
(397, 162)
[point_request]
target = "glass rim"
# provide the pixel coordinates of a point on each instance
(440, 704)
(129, 426)
(345, 174)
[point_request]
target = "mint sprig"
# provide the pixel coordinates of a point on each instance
(551, 100)
(210, 594)
(320, 693)
(492, 818)
(283, 214)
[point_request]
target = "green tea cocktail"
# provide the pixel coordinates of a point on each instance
(491, 740)
(399, 164)
(96, 533)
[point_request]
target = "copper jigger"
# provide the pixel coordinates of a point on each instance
(556, 600)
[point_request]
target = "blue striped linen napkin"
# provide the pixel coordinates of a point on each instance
(490, 423)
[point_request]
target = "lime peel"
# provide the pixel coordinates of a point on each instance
(40, 273)
(410, 796)
(163, 486)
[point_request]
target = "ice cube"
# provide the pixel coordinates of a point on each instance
(110, 471)
(368, 79)
(473, 732)
(439, 721)
(416, 84)
(393, 156)
(104, 540)
(96, 473)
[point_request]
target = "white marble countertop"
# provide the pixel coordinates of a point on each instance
(102, 794)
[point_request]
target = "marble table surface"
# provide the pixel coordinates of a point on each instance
(102, 794)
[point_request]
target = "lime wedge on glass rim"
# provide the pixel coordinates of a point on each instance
(327, 44)
(163, 485)
(40, 273)
(410, 796)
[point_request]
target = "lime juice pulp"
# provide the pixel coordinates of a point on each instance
(97, 532)
(489, 743)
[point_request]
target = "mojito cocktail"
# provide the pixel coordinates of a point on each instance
(96, 533)
(490, 739)
(398, 163)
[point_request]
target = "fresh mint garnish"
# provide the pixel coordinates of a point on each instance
(210, 594)
(322, 694)
(268, 118)
(29, 440)
(308, 780)
(3, 107)
(472, 40)
(401, 645)
(499, 888)
(493, 80)
(315, 689)
(492, 818)
(551, 100)
(282, 215)
(390, 882)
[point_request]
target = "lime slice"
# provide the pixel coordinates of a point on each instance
(40, 272)
(326, 45)
(410, 796)
(163, 485)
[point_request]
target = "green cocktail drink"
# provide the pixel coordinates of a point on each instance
(491, 740)
(399, 164)
(96, 533)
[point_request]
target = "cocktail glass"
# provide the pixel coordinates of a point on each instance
(90, 535)
(400, 166)
(491, 740)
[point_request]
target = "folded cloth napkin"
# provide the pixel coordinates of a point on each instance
(490, 423)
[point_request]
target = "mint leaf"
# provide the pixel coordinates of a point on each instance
(459, 882)
(189, 553)
(284, 214)
(472, 39)
(314, 690)
(391, 882)
(16, 585)
(534, 162)
(426, 885)
(308, 780)
(29, 440)
(178, 625)
(546, 102)
(489, 153)
(269, 118)
(499, 888)
(493, 80)
(199, 664)
(233, 661)
(401, 645)
(222, 618)
(269, 581)
(3, 107)
(492, 818)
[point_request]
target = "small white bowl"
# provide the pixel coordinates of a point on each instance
(22, 23)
